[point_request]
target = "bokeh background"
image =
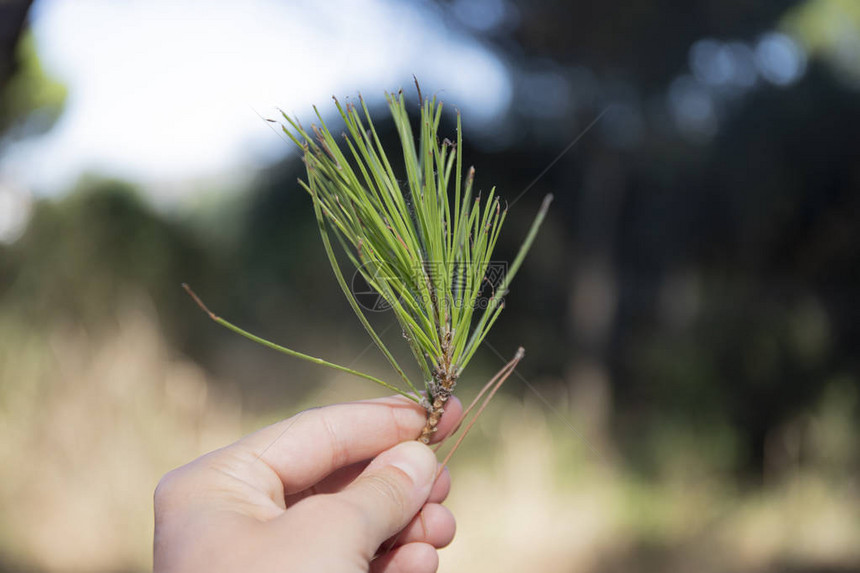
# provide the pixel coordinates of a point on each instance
(689, 400)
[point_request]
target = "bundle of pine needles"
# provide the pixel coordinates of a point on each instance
(424, 246)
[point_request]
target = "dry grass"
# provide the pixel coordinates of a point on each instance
(541, 501)
(89, 426)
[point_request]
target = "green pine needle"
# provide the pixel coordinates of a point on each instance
(424, 247)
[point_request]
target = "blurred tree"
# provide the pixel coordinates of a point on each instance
(30, 101)
(13, 15)
(82, 256)
(828, 29)
(706, 274)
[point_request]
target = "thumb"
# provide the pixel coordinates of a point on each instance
(389, 492)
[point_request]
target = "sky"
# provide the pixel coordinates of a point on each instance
(171, 95)
(164, 92)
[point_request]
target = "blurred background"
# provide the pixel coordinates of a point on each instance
(689, 399)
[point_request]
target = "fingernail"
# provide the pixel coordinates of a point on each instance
(415, 460)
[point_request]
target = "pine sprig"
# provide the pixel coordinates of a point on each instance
(424, 245)
(425, 248)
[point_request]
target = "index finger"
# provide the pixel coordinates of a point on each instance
(312, 444)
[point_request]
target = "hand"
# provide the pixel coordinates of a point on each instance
(326, 490)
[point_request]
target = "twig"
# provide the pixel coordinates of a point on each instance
(496, 383)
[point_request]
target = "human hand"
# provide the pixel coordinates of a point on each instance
(325, 490)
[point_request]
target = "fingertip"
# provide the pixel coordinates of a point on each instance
(434, 524)
(441, 487)
(441, 525)
(411, 558)
(414, 459)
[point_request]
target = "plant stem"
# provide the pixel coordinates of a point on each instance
(293, 353)
(496, 383)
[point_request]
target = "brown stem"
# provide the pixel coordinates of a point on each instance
(498, 380)
(437, 408)
(434, 414)
(442, 387)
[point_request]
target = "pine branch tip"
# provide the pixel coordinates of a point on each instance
(199, 302)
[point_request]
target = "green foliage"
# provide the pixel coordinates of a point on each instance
(31, 101)
(828, 29)
(82, 255)
(424, 248)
